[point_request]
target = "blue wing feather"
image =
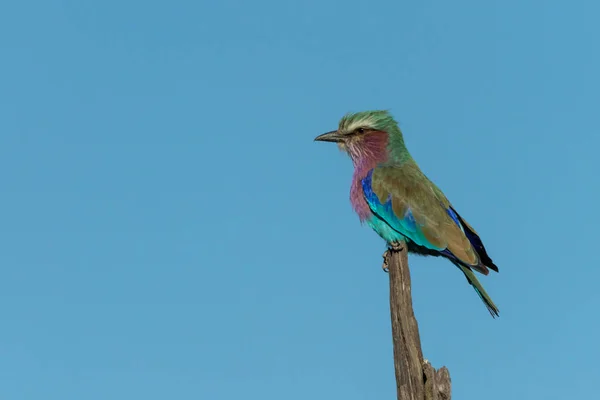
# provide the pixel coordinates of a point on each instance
(398, 227)
(454, 217)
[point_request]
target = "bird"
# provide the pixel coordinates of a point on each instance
(400, 203)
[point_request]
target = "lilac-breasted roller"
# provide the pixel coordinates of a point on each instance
(391, 193)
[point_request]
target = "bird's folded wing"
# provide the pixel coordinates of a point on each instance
(410, 204)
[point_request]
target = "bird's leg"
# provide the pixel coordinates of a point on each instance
(395, 246)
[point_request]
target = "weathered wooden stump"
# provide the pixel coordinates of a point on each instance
(416, 379)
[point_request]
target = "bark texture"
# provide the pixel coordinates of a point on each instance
(416, 379)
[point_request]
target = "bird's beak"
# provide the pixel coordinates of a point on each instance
(333, 136)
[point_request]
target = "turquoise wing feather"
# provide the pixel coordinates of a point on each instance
(416, 209)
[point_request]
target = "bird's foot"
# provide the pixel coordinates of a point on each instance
(395, 247)
(386, 261)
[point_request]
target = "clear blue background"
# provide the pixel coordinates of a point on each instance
(169, 230)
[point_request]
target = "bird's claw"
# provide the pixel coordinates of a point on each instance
(386, 261)
(396, 246)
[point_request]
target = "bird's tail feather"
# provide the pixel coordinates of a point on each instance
(480, 290)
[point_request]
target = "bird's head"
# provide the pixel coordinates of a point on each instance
(366, 135)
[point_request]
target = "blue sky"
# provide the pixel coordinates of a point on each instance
(170, 230)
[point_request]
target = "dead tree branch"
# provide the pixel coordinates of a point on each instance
(416, 379)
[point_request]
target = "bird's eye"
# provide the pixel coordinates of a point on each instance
(360, 130)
